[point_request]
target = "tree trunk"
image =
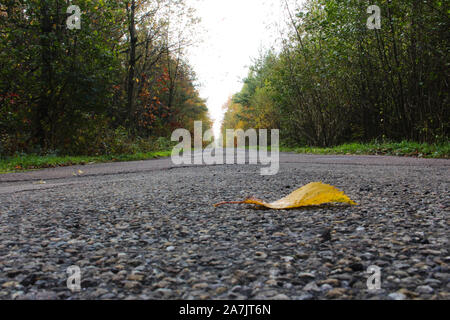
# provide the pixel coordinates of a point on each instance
(131, 61)
(46, 77)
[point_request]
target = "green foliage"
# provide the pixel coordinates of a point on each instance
(404, 148)
(336, 81)
(66, 91)
(21, 162)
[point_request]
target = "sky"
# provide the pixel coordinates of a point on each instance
(233, 33)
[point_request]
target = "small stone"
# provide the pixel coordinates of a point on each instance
(165, 293)
(221, 290)
(100, 292)
(408, 293)
(336, 293)
(108, 296)
(10, 284)
(433, 281)
(119, 267)
(260, 255)
(48, 268)
(280, 297)
(131, 284)
(139, 268)
(202, 285)
(425, 289)
(117, 277)
(272, 282)
(122, 226)
(279, 234)
(288, 285)
(306, 296)
(333, 282)
(170, 248)
(162, 284)
(136, 277)
(406, 238)
(312, 286)
(344, 262)
(397, 296)
(431, 252)
(325, 287)
(306, 275)
(236, 289)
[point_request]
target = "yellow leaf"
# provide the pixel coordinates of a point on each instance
(314, 193)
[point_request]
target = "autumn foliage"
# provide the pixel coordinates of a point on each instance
(118, 84)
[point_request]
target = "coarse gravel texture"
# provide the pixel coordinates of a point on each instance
(156, 235)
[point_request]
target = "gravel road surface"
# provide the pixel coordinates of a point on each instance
(148, 230)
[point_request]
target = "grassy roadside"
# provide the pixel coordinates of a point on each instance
(405, 148)
(30, 162)
(411, 149)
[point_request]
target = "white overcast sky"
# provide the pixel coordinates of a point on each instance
(234, 32)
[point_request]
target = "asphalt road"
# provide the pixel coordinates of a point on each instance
(53, 177)
(148, 230)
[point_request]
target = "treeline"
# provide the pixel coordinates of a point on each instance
(335, 80)
(113, 86)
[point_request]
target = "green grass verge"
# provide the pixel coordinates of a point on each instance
(30, 162)
(405, 148)
(412, 149)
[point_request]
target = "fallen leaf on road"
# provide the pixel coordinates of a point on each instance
(79, 172)
(314, 193)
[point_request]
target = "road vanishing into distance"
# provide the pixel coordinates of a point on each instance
(149, 230)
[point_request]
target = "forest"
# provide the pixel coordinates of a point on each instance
(336, 81)
(117, 83)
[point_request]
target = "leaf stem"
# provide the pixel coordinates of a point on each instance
(229, 202)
